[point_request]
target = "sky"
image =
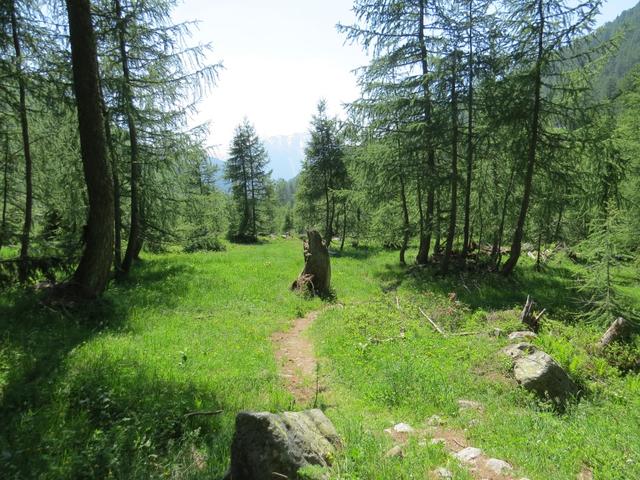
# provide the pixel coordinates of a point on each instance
(280, 57)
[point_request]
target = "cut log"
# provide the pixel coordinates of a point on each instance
(315, 277)
(617, 331)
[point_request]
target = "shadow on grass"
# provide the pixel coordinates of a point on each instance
(551, 288)
(94, 416)
(357, 253)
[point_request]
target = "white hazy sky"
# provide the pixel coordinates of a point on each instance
(280, 58)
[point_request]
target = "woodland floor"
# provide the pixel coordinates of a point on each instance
(103, 392)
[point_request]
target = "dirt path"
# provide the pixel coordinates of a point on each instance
(298, 368)
(296, 359)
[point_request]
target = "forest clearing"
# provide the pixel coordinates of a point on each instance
(104, 392)
(364, 239)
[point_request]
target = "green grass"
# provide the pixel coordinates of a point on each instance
(102, 393)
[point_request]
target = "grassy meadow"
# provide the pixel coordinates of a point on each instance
(102, 392)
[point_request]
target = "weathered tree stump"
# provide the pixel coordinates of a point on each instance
(316, 274)
(528, 318)
(618, 330)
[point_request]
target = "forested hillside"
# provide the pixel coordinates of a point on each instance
(465, 300)
(625, 31)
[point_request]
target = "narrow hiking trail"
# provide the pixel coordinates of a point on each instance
(296, 359)
(298, 366)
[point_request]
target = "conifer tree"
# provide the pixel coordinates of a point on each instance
(323, 171)
(543, 32)
(246, 169)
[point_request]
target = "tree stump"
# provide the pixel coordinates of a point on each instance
(528, 318)
(618, 330)
(316, 274)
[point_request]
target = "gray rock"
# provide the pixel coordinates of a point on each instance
(498, 466)
(539, 373)
(264, 443)
(403, 428)
(522, 334)
(434, 421)
(519, 349)
(496, 332)
(469, 454)
(469, 405)
(442, 472)
(395, 451)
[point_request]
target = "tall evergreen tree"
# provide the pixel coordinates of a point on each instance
(543, 32)
(246, 169)
(323, 171)
(92, 274)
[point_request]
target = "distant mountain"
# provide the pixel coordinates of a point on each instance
(628, 54)
(286, 153)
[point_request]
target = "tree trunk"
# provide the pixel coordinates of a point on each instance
(331, 219)
(254, 224)
(538, 249)
(344, 226)
(5, 190)
(117, 258)
(616, 331)
(467, 193)
(425, 238)
(327, 225)
(454, 168)
(23, 271)
(556, 234)
(92, 274)
(503, 216)
(405, 221)
(245, 190)
(437, 228)
(135, 228)
(516, 244)
(423, 247)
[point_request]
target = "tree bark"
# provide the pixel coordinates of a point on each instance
(135, 229)
(454, 168)
(617, 330)
(405, 221)
(316, 274)
(23, 270)
(344, 226)
(467, 193)
(92, 274)
(328, 234)
(117, 258)
(516, 244)
(5, 190)
(425, 237)
(423, 247)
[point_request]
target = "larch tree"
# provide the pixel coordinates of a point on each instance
(20, 74)
(543, 31)
(402, 43)
(92, 274)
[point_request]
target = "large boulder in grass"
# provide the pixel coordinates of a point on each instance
(267, 445)
(538, 372)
